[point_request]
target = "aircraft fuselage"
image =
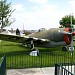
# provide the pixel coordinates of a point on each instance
(56, 38)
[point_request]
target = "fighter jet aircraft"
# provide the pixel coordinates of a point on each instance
(46, 38)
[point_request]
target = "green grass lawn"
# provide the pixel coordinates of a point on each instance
(18, 56)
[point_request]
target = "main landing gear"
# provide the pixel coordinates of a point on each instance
(34, 51)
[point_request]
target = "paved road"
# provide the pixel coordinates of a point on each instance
(32, 71)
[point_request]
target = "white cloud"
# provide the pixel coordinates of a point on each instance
(18, 7)
(39, 1)
(42, 17)
(72, 4)
(45, 16)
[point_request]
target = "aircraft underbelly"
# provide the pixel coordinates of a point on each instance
(51, 44)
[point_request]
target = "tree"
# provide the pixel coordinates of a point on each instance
(66, 21)
(5, 14)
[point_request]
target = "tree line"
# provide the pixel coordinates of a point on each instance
(66, 21)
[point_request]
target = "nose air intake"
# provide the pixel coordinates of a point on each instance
(68, 36)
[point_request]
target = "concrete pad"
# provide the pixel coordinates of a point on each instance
(32, 71)
(48, 70)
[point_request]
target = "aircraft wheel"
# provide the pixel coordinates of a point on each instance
(34, 49)
(65, 48)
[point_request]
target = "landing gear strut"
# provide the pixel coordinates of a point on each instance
(32, 45)
(34, 51)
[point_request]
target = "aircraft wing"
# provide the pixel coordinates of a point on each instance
(20, 38)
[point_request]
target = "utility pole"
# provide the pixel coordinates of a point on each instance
(71, 36)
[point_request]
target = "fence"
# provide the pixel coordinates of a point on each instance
(45, 59)
(65, 69)
(3, 66)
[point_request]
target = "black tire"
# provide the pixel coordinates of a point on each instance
(65, 48)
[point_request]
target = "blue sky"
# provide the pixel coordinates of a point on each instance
(35, 14)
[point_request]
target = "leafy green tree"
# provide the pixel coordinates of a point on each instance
(5, 14)
(66, 21)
